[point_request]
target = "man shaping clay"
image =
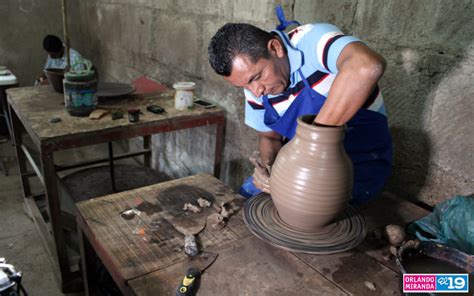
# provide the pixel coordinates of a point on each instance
(314, 69)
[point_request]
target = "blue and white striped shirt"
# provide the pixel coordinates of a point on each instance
(61, 63)
(321, 45)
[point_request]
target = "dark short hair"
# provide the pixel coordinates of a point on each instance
(234, 39)
(52, 43)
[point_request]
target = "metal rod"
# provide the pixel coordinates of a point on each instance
(146, 146)
(220, 134)
(66, 35)
(60, 168)
(28, 174)
(54, 210)
(33, 163)
(111, 166)
(43, 228)
(17, 140)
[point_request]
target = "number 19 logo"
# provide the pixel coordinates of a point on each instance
(452, 283)
(447, 283)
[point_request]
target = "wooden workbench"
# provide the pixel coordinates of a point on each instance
(245, 265)
(31, 109)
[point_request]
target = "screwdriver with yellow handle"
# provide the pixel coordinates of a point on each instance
(188, 285)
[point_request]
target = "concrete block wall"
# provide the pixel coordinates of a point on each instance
(167, 41)
(428, 85)
(428, 89)
(23, 25)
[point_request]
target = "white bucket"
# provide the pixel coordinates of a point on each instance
(184, 95)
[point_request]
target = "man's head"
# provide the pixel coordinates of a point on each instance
(53, 45)
(251, 58)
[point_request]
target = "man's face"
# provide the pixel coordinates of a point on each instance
(266, 76)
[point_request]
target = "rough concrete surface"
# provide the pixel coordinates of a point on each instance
(24, 23)
(426, 44)
(20, 243)
(427, 86)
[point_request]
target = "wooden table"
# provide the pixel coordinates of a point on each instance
(6, 82)
(31, 109)
(245, 265)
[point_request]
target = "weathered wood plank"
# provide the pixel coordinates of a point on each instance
(37, 105)
(249, 267)
(246, 265)
(370, 262)
(149, 242)
(388, 209)
(349, 270)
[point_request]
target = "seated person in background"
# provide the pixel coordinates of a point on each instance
(56, 56)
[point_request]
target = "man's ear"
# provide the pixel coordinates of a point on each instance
(275, 48)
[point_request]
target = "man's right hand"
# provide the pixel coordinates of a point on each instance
(41, 80)
(261, 173)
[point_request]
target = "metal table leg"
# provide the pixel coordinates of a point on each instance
(3, 168)
(146, 146)
(54, 211)
(111, 166)
(6, 112)
(17, 129)
(219, 148)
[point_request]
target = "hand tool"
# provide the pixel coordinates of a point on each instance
(197, 265)
(204, 104)
(189, 228)
(155, 109)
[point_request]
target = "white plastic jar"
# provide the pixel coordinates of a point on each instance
(184, 95)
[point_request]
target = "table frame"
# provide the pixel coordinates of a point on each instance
(52, 234)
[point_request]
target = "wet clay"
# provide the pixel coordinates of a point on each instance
(346, 232)
(311, 180)
(149, 208)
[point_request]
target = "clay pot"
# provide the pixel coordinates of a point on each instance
(55, 78)
(312, 177)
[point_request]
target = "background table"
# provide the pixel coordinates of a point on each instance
(245, 265)
(31, 109)
(7, 80)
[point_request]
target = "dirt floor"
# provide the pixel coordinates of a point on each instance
(20, 243)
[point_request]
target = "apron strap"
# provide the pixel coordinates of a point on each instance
(306, 83)
(266, 103)
(283, 22)
(270, 110)
(271, 115)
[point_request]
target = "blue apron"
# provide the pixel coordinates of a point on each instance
(367, 140)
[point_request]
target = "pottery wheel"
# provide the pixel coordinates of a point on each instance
(113, 89)
(262, 219)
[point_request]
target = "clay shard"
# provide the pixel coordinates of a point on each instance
(192, 208)
(226, 209)
(204, 203)
(129, 214)
(370, 285)
(394, 234)
(393, 250)
(216, 221)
